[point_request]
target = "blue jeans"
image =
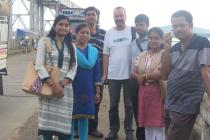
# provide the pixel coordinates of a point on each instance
(114, 92)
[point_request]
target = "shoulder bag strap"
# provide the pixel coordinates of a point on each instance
(48, 45)
(179, 60)
(185, 51)
(51, 61)
(133, 33)
(139, 46)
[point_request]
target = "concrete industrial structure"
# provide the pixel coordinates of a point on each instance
(35, 12)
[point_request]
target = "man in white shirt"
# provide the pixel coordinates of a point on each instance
(116, 61)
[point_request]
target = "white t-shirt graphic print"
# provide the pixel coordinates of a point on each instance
(117, 46)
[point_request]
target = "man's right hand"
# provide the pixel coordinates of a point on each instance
(104, 77)
(167, 40)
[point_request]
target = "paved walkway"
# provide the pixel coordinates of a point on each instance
(18, 111)
(15, 106)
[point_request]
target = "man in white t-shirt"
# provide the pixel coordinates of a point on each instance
(116, 63)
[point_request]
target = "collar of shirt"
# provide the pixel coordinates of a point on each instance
(98, 31)
(144, 39)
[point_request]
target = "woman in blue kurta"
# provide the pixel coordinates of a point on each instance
(86, 83)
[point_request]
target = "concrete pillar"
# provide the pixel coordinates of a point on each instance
(32, 16)
(10, 26)
(41, 16)
(1, 86)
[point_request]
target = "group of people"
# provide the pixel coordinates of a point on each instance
(137, 59)
(80, 79)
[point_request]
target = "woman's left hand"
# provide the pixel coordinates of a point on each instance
(97, 98)
(64, 82)
(140, 78)
(167, 40)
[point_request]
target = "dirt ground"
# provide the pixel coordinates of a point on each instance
(29, 130)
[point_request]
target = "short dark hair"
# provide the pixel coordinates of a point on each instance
(92, 8)
(142, 18)
(120, 7)
(182, 13)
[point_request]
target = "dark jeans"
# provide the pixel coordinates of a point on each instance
(178, 126)
(50, 137)
(114, 94)
(134, 90)
(93, 123)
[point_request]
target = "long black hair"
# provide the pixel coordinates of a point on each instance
(67, 39)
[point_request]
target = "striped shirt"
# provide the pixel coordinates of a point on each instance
(97, 40)
(185, 85)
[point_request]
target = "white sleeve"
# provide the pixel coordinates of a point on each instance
(40, 60)
(106, 48)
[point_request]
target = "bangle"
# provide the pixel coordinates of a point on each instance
(52, 84)
(49, 81)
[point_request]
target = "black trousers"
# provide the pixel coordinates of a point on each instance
(134, 90)
(93, 123)
(48, 135)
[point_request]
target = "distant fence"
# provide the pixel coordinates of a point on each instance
(15, 46)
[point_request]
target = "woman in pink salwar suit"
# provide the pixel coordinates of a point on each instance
(147, 72)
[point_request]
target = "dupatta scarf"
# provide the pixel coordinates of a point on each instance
(87, 63)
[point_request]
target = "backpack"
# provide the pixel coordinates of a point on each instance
(133, 33)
